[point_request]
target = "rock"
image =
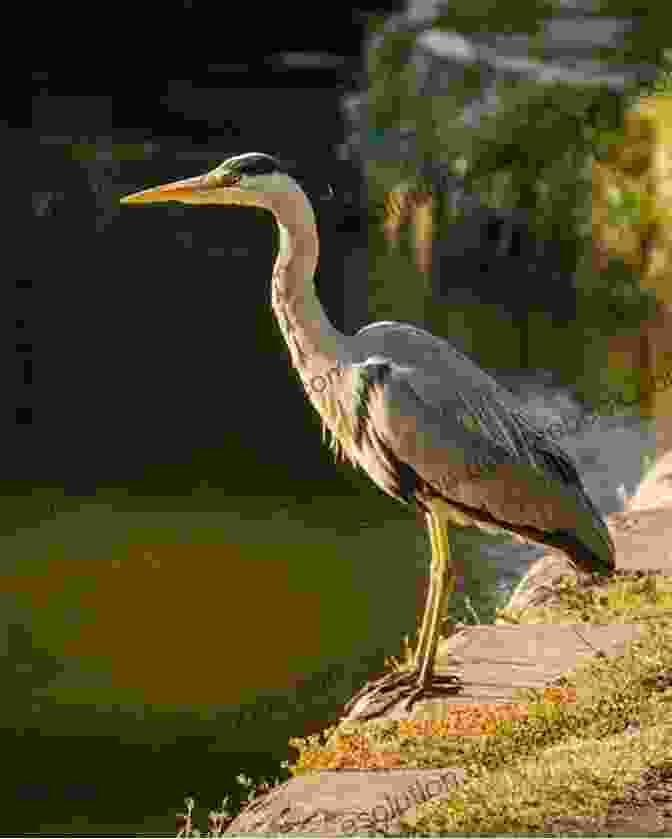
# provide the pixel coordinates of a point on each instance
(345, 802)
(655, 489)
(539, 586)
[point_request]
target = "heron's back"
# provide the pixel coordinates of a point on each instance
(465, 438)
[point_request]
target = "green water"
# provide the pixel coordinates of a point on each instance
(158, 646)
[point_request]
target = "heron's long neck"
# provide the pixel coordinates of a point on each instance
(316, 347)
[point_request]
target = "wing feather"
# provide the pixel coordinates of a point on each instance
(480, 451)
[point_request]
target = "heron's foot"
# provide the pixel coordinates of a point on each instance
(402, 686)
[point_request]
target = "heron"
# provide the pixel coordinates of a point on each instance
(428, 425)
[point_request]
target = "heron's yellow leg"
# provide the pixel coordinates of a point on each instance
(450, 574)
(422, 637)
(410, 685)
(444, 583)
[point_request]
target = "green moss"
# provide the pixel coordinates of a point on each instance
(577, 778)
(624, 600)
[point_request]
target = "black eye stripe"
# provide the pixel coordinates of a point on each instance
(256, 164)
(261, 165)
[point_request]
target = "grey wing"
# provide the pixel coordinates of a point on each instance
(437, 359)
(478, 451)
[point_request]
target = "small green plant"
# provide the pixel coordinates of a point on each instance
(221, 818)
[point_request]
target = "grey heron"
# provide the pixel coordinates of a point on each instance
(428, 425)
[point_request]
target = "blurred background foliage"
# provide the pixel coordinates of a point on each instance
(536, 150)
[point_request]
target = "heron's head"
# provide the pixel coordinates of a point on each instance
(251, 179)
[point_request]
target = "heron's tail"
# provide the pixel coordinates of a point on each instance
(589, 542)
(590, 546)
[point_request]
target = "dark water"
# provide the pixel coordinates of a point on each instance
(189, 580)
(159, 646)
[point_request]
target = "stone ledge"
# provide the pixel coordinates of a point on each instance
(345, 802)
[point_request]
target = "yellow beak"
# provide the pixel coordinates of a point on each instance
(176, 191)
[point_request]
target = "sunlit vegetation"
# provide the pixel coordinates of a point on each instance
(559, 751)
(540, 150)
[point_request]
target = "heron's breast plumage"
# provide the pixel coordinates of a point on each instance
(330, 398)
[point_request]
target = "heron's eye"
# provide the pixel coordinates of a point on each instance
(217, 179)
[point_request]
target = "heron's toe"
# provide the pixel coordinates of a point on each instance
(405, 686)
